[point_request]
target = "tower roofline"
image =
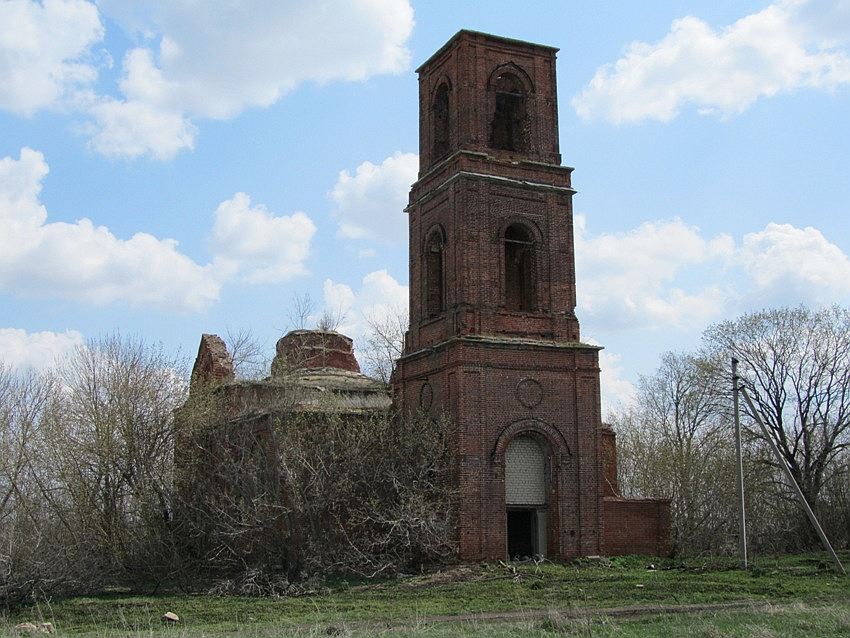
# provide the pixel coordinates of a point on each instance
(470, 34)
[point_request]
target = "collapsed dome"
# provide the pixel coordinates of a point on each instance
(313, 350)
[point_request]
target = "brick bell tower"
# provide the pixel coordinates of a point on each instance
(494, 341)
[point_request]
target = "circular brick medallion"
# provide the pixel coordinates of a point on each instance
(529, 392)
(426, 396)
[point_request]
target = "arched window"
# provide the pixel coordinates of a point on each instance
(441, 122)
(434, 298)
(508, 127)
(519, 268)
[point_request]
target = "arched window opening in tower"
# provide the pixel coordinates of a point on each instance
(519, 268)
(434, 298)
(441, 122)
(508, 127)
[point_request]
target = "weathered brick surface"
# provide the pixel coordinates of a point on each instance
(610, 480)
(496, 371)
(313, 349)
(636, 526)
(213, 363)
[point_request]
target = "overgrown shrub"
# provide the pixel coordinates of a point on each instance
(310, 493)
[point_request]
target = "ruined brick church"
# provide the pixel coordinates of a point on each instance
(493, 341)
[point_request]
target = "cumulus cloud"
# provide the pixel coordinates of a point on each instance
(190, 63)
(379, 297)
(668, 274)
(369, 204)
(86, 262)
(45, 51)
(378, 307)
(629, 279)
(263, 247)
(133, 128)
(617, 391)
(216, 64)
(36, 350)
(790, 45)
(784, 260)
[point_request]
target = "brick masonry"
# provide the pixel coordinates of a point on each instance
(636, 526)
(500, 372)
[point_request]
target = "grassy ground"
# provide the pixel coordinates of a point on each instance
(788, 596)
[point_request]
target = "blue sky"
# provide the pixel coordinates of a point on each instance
(167, 170)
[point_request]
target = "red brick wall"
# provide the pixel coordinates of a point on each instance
(494, 389)
(495, 372)
(610, 480)
(312, 349)
(468, 63)
(473, 212)
(476, 192)
(636, 526)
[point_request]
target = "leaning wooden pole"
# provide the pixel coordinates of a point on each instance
(812, 518)
(742, 510)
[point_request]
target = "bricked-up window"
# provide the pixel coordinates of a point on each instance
(441, 121)
(508, 127)
(525, 472)
(434, 298)
(519, 268)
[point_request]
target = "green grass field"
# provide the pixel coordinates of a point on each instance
(787, 596)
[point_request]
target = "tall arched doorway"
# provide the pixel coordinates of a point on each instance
(525, 496)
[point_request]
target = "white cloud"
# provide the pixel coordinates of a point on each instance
(617, 391)
(217, 63)
(87, 262)
(667, 274)
(45, 51)
(380, 296)
(380, 304)
(627, 279)
(264, 248)
(785, 261)
(192, 62)
(369, 204)
(134, 128)
(37, 350)
(791, 44)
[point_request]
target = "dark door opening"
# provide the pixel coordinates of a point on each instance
(522, 533)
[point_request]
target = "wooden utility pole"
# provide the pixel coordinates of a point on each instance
(800, 497)
(742, 512)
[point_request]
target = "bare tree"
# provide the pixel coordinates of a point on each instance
(796, 362)
(369, 493)
(247, 353)
(301, 310)
(113, 442)
(384, 343)
(331, 319)
(23, 399)
(675, 444)
(677, 441)
(38, 549)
